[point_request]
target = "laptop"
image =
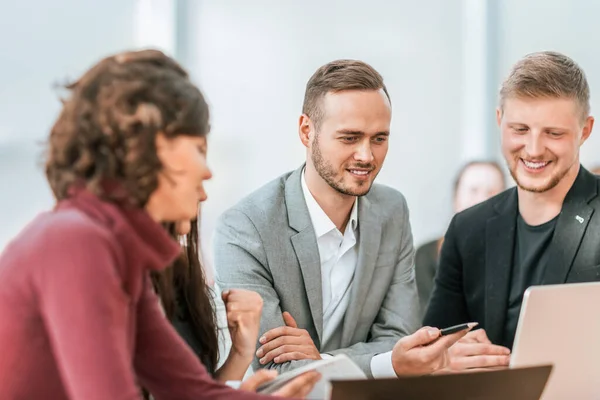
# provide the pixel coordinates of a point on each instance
(514, 384)
(560, 325)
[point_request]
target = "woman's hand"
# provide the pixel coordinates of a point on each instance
(244, 309)
(298, 388)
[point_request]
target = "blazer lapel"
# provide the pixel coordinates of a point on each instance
(369, 227)
(499, 247)
(570, 228)
(306, 248)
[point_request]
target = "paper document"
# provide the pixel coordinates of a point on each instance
(339, 367)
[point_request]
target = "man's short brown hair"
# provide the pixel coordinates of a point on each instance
(338, 76)
(547, 74)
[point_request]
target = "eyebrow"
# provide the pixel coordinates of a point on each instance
(360, 133)
(546, 128)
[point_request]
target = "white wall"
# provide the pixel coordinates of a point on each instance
(253, 59)
(569, 27)
(43, 43)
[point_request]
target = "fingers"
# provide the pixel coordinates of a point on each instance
(499, 368)
(421, 337)
(275, 343)
(295, 355)
(481, 336)
(477, 336)
(449, 340)
(439, 349)
(280, 331)
(477, 349)
(242, 300)
(243, 308)
(286, 340)
(445, 342)
(301, 386)
(289, 320)
(294, 343)
(469, 355)
(461, 363)
(260, 377)
(225, 295)
(474, 355)
(286, 348)
(427, 350)
(234, 318)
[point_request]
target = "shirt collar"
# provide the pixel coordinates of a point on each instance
(321, 222)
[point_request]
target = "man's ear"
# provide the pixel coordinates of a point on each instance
(498, 116)
(305, 129)
(587, 129)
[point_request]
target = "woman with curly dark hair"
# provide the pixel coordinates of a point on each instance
(187, 301)
(79, 318)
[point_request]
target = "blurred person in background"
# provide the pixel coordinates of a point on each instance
(595, 170)
(475, 182)
(79, 318)
(188, 303)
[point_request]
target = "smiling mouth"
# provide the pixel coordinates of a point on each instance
(360, 172)
(535, 165)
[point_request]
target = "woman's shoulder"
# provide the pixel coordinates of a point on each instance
(66, 227)
(58, 245)
(73, 226)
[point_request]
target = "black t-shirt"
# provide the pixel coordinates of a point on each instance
(529, 263)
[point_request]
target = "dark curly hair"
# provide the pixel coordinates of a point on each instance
(106, 130)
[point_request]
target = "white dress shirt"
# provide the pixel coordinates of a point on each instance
(339, 256)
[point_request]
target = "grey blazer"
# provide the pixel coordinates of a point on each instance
(266, 243)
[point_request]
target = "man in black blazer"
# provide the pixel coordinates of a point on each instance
(544, 231)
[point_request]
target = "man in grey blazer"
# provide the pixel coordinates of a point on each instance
(330, 252)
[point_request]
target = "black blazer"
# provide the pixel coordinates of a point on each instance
(473, 278)
(426, 262)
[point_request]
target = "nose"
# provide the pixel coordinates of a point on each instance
(534, 146)
(207, 174)
(364, 153)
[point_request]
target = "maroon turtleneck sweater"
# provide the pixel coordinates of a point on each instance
(79, 318)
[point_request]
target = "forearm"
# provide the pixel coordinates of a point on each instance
(234, 368)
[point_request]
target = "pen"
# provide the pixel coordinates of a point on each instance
(457, 328)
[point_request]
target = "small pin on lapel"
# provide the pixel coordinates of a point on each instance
(580, 219)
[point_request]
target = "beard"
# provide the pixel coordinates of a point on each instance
(549, 184)
(329, 174)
